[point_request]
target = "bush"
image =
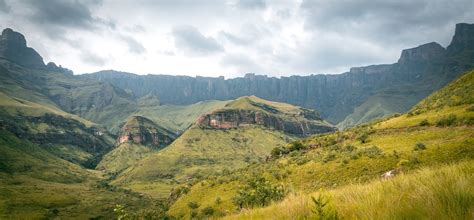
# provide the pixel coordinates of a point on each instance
(277, 152)
(372, 152)
(419, 146)
(208, 211)
(363, 138)
(424, 123)
(193, 205)
(296, 146)
(446, 121)
(329, 157)
(322, 209)
(258, 192)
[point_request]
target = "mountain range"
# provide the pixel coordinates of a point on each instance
(120, 145)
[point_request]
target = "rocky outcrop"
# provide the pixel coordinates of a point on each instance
(463, 39)
(141, 130)
(426, 68)
(13, 47)
(234, 118)
(424, 53)
(51, 66)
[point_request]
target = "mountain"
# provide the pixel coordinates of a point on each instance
(141, 130)
(244, 131)
(139, 137)
(432, 146)
(418, 72)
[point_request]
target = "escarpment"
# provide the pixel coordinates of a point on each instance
(141, 130)
(254, 111)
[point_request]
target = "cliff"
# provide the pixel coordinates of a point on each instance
(277, 116)
(13, 47)
(143, 131)
(420, 70)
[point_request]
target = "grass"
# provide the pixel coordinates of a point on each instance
(307, 171)
(123, 156)
(440, 192)
(201, 152)
(35, 184)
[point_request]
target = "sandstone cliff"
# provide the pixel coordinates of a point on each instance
(141, 130)
(420, 71)
(278, 116)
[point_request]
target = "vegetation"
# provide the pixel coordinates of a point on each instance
(443, 192)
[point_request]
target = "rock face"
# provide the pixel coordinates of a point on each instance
(234, 118)
(424, 53)
(463, 39)
(425, 69)
(254, 111)
(141, 130)
(13, 47)
(58, 69)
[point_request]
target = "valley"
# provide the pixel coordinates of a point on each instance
(389, 141)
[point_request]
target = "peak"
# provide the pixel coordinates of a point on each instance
(13, 48)
(463, 38)
(141, 130)
(12, 37)
(422, 53)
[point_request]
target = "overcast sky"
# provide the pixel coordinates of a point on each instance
(230, 37)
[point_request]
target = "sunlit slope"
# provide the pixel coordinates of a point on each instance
(359, 155)
(433, 193)
(36, 184)
(453, 104)
(201, 152)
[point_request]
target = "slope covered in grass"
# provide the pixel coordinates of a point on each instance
(36, 184)
(440, 192)
(453, 104)
(201, 152)
(358, 155)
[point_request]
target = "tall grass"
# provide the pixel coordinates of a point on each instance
(430, 193)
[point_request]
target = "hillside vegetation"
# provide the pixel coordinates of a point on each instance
(359, 156)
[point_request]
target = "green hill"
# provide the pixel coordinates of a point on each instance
(359, 156)
(244, 131)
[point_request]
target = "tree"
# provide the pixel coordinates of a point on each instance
(258, 192)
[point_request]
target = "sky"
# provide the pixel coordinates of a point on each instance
(230, 37)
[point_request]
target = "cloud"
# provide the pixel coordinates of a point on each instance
(133, 45)
(387, 21)
(240, 63)
(4, 7)
(93, 59)
(193, 42)
(62, 13)
(251, 4)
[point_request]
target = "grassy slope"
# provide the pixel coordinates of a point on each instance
(123, 156)
(327, 163)
(200, 152)
(430, 193)
(377, 106)
(37, 184)
(178, 118)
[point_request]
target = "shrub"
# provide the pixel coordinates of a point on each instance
(329, 157)
(208, 211)
(424, 122)
(258, 192)
(321, 208)
(296, 146)
(419, 146)
(372, 152)
(277, 152)
(193, 205)
(446, 121)
(350, 148)
(363, 138)
(218, 200)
